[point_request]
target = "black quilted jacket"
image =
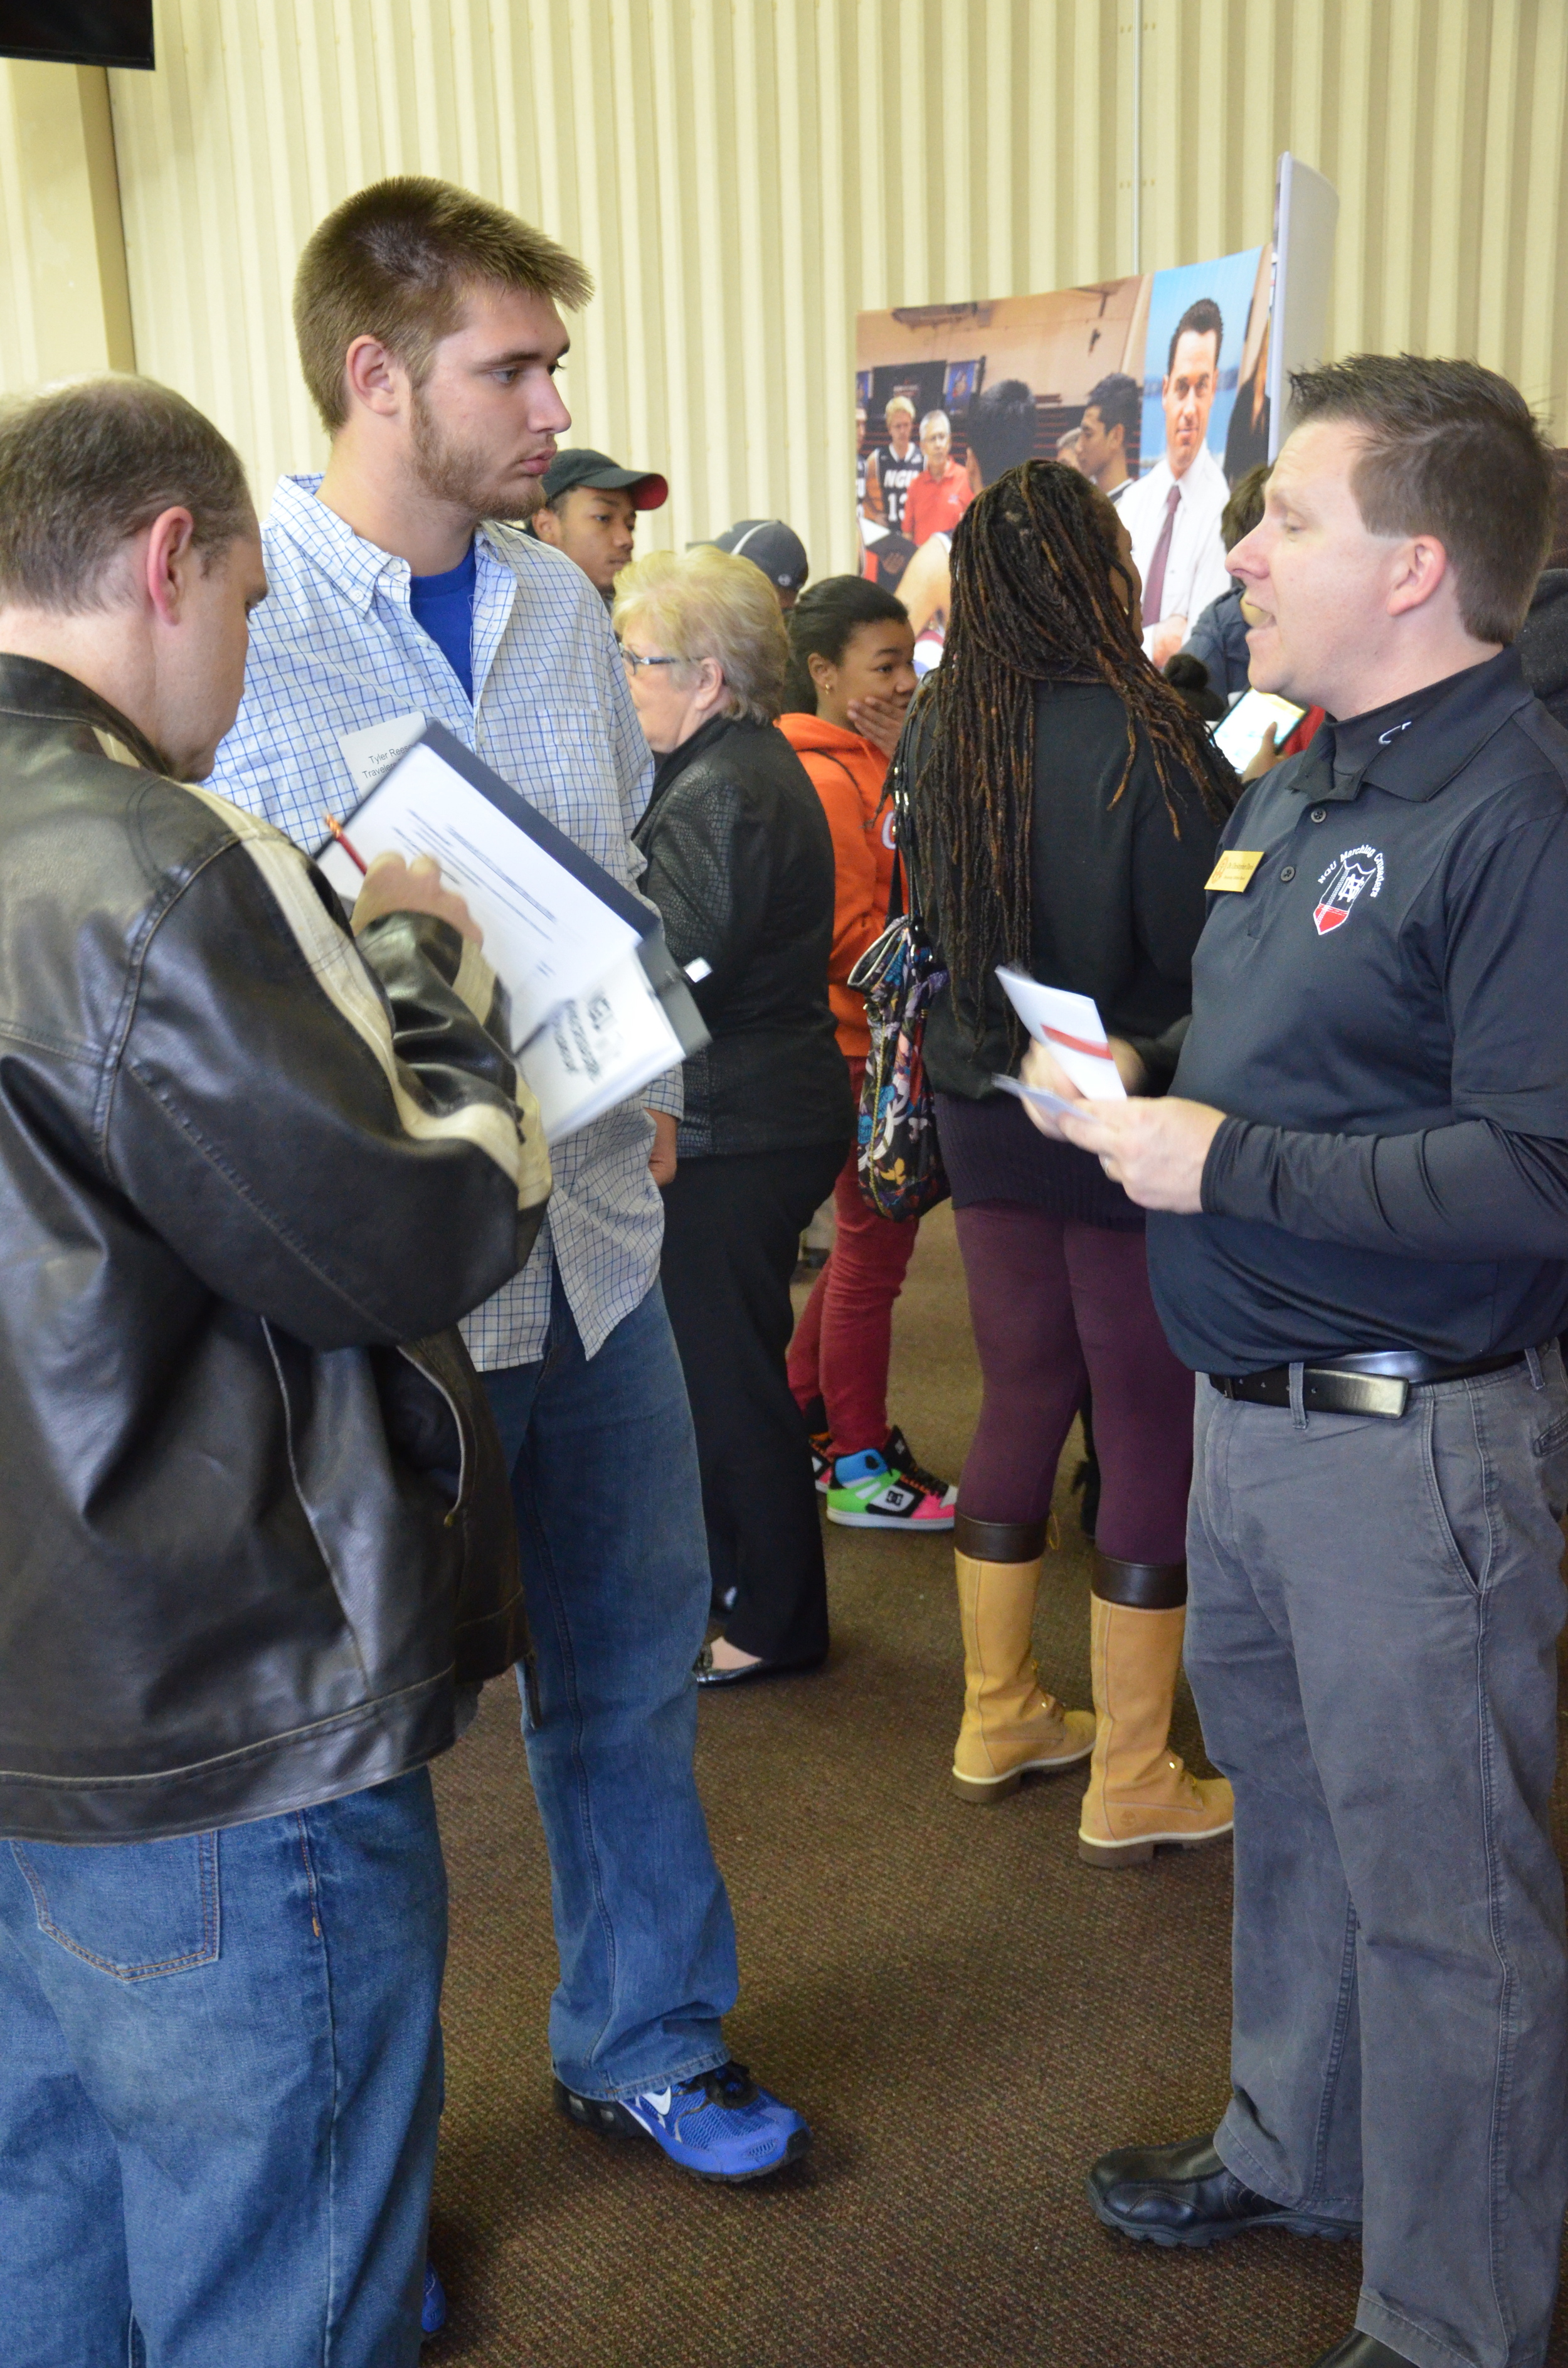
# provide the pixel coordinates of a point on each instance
(740, 866)
(255, 1527)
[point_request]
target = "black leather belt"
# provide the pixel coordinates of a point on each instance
(1379, 1382)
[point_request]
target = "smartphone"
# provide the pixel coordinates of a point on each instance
(1239, 734)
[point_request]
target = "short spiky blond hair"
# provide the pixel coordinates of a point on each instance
(706, 603)
(395, 261)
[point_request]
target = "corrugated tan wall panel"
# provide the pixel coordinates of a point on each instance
(742, 175)
(63, 302)
(19, 359)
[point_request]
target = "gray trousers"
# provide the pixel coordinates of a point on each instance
(1371, 1629)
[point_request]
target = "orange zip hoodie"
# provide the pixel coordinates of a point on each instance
(848, 775)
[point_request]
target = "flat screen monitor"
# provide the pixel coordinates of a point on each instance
(78, 33)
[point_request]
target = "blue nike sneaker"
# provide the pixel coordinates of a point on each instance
(433, 2309)
(722, 2126)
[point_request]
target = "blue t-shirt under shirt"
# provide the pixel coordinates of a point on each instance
(443, 608)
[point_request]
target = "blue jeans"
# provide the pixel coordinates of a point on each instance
(615, 1571)
(220, 2088)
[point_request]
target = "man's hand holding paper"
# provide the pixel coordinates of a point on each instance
(393, 885)
(1070, 1058)
(1154, 1150)
(1085, 1080)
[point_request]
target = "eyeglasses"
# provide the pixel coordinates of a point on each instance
(631, 660)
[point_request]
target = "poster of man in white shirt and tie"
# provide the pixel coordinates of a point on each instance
(1173, 513)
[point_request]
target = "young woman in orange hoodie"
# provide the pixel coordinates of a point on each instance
(850, 683)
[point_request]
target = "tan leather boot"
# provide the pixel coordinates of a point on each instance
(1141, 1792)
(1010, 1727)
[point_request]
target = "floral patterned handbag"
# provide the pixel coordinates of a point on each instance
(898, 1157)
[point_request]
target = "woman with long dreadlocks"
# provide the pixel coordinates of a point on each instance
(1066, 814)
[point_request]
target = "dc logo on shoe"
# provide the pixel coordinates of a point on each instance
(873, 1491)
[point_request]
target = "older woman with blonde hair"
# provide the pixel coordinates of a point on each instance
(740, 866)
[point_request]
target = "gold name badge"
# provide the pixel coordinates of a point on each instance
(1234, 869)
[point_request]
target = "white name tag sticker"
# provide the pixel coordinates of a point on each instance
(376, 747)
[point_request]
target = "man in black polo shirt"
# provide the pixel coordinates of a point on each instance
(1363, 1241)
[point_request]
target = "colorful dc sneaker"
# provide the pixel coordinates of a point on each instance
(867, 1492)
(722, 2126)
(433, 2310)
(899, 1457)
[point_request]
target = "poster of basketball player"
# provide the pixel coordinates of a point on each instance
(1020, 372)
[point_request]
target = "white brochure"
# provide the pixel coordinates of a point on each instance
(597, 1049)
(1072, 1028)
(597, 1008)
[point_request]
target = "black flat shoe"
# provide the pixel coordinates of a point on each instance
(1359, 2350)
(707, 1675)
(1184, 2196)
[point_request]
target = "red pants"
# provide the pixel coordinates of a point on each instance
(842, 1339)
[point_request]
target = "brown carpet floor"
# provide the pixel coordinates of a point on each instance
(966, 2015)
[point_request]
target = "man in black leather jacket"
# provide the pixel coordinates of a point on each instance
(255, 1541)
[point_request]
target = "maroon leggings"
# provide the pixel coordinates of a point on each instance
(1053, 1304)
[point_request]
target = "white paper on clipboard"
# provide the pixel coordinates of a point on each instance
(1070, 1027)
(596, 1007)
(547, 934)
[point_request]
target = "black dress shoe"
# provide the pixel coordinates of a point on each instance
(1361, 2351)
(1184, 2196)
(709, 1674)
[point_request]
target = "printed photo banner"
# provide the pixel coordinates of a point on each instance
(1157, 386)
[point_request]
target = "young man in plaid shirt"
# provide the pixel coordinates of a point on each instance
(402, 582)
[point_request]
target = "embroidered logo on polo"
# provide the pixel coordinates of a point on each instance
(1346, 876)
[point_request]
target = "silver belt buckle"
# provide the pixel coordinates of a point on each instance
(1380, 1394)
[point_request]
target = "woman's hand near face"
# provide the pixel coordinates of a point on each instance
(879, 720)
(868, 688)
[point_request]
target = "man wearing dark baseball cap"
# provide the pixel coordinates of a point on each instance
(590, 511)
(774, 547)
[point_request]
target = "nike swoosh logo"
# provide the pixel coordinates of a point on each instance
(659, 2099)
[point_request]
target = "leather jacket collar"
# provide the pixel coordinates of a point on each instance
(31, 687)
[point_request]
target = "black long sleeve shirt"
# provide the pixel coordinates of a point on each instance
(1116, 906)
(1383, 1014)
(1116, 885)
